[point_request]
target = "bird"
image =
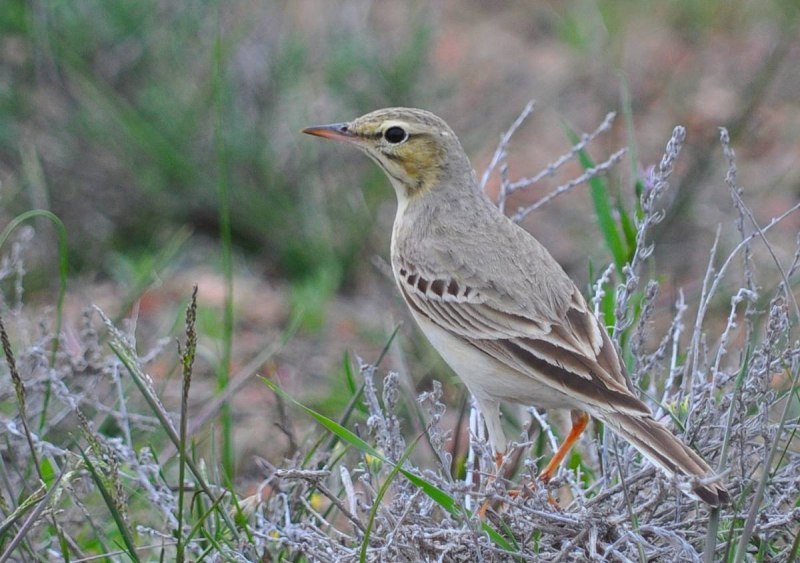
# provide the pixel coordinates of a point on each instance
(496, 305)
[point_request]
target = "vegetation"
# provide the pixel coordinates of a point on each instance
(149, 147)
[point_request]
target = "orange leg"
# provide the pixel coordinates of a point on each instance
(579, 422)
(498, 461)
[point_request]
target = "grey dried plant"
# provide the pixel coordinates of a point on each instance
(80, 429)
(718, 386)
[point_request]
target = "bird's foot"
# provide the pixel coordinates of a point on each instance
(526, 490)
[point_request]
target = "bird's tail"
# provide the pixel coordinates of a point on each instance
(663, 449)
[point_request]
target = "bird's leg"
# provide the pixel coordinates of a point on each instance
(579, 422)
(498, 462)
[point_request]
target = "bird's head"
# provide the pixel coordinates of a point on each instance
(416, 149)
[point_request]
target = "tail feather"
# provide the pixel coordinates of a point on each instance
(668, 453)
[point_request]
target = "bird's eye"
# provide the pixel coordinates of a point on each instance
(395, 135)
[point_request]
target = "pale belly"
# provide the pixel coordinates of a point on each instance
(488, 378)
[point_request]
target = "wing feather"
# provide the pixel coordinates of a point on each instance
(572, 354)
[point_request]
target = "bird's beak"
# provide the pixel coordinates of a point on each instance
(335, 131)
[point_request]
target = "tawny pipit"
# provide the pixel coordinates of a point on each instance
(494, 303)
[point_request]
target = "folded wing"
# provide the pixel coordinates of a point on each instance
(568, 351)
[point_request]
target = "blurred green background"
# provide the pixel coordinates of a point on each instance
(132, 121)
(123, 117)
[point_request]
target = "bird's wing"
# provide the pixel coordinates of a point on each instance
(566, 350)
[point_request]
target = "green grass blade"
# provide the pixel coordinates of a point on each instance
(63, 267)
(435, 493)
(440, 497)
(507, 542)
(63, 261)
(122, 526)
(27, 504)
(187, 357)
(379, 498)
(128, 358)
(349, 378)
(39, 503)
(608, 305)
(795, 549)
(354, 403)
(628, 229)
(203, 515)
(226, 245)
(602, 207)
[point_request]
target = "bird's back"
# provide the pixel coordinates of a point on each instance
(510, 267)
